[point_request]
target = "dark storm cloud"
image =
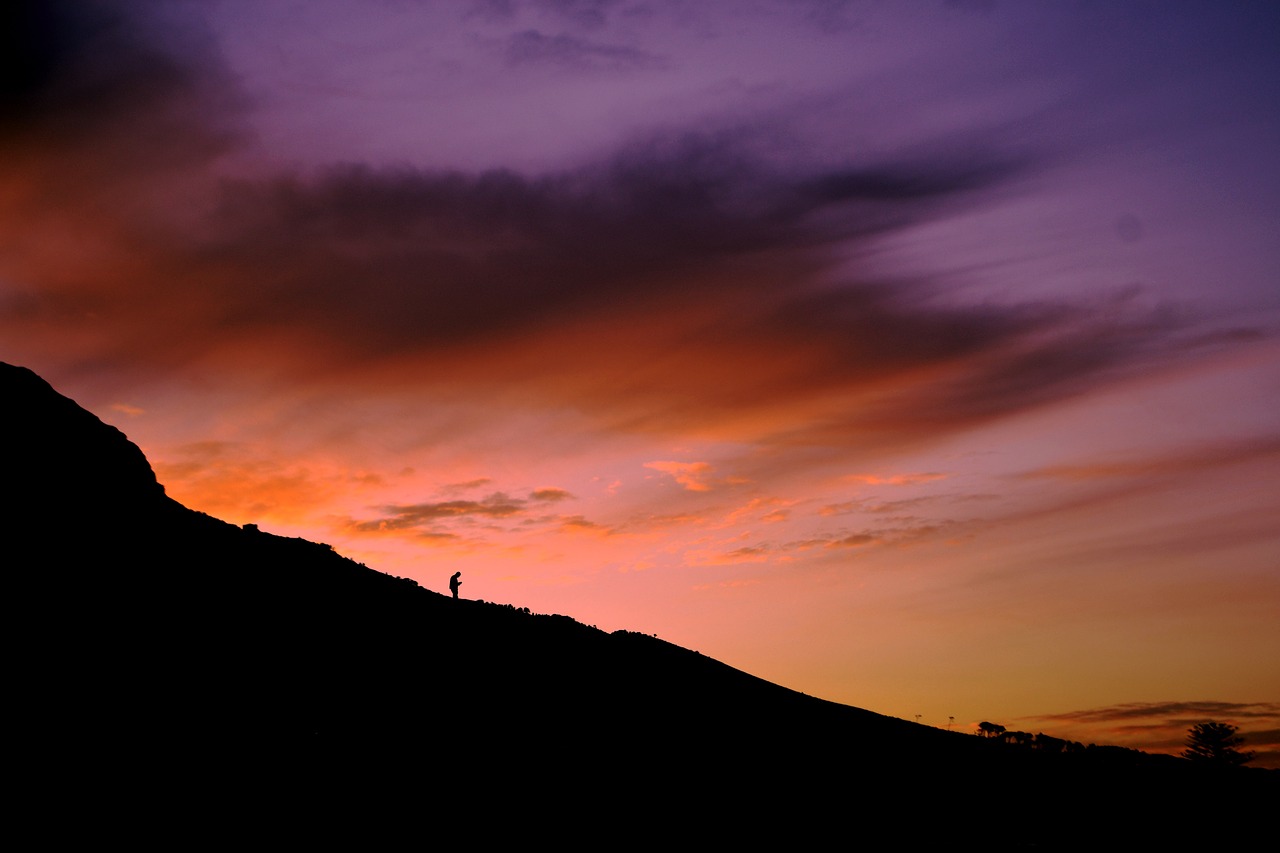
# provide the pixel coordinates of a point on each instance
(410, 258)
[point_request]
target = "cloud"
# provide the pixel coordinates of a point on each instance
(856, 540)
(651, 522)
(688, 283)
(233, 481)
(893, 479)
(898, 507)
(96, 96)
(1189, 460)
(458, 518)
(550, 494)
(1162, 726)
(746, 554)
(900, 536)
(1089, 486)
(579, 523)
(531, 47)
(468, 485)
(588, 14)
(444, 259)
(896, 537)
(1179, 711)
(64, 56)
(695, 477)
(426, 515)
(1265, 737)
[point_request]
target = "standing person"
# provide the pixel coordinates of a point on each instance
(454, 583)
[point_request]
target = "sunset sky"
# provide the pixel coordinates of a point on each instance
(922, 356)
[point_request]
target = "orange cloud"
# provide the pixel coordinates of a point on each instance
(578, 523)
(887, 507)
(658, 521)
(234, 482)
(894, 479)
(695, 476)
(692, 475)
(774, 509)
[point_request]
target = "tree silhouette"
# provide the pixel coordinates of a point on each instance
(1215, 743)
(986, 729)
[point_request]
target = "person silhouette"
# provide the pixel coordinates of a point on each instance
(454, 583)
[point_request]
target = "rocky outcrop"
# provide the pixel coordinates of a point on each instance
(62, 464)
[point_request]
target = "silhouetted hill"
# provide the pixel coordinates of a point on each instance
(173, 669)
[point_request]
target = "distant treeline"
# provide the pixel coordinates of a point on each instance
(1042, 742)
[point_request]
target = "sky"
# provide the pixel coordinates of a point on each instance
(922, 356)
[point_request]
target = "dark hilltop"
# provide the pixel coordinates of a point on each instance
(177, 677)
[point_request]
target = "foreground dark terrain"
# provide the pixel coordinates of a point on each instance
(177, 674)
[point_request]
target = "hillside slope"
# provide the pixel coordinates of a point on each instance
(208, 658)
